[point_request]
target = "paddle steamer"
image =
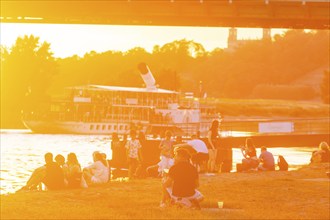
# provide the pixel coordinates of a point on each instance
(100, 109)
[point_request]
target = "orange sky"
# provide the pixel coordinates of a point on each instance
(67, 40)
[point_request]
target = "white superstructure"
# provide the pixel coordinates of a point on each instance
(99, 109)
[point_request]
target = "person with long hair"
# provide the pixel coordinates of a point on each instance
(212, 143)
(322, 155)
(98, 172)
(250, 160)
(73, 172)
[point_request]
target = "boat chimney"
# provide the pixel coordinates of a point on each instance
(147, 76)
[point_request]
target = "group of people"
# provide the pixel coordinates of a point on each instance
(203, 155)
(60, 174)
(265, 161)
(322, 155)
(179, 165)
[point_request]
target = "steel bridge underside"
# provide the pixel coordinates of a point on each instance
(298, 14)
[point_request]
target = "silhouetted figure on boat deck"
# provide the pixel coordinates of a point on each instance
(51, 175)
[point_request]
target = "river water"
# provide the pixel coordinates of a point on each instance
(22, 152)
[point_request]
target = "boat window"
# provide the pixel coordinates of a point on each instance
(97, 127)
(103, 127)
(120, 127)
(109, 127)
(115, 127)
(91, 127)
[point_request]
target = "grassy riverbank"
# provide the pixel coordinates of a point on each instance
(302, 194)
(270, 108)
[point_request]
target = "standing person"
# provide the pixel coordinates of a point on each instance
(180, 185)
(166, 151)
(140, 171)
(133, 154)
(267, 160)
(115, 149)
(98, 172)
(250, 160)
(201, 157)
(118, 159)
(212, 137)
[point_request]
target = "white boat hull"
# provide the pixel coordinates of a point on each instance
(107, 128)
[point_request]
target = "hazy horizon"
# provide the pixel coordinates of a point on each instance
(100, 38)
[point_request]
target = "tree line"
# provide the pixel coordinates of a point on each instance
(258, 69)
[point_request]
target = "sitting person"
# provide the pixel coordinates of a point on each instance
(98, 172)
(54, 178)
(179, 186)
(73, 172)
(322, 155)
(267, 160)
(60, 160)
(50, 174)
(249, 152)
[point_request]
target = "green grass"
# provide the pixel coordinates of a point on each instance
(262, 195)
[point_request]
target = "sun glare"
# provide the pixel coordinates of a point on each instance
(67, 40)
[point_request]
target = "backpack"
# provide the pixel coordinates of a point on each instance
(282, 164)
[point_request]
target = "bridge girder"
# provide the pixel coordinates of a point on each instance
(212, 13)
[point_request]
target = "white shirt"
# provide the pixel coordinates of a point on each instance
(198, 145)
(100, 172)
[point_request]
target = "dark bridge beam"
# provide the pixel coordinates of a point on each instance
(309, 14)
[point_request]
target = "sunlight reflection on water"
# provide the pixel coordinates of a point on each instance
(22, 152)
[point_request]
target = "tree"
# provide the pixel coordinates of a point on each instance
(26, 71)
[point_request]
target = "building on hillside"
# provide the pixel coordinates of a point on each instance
(234, 43)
